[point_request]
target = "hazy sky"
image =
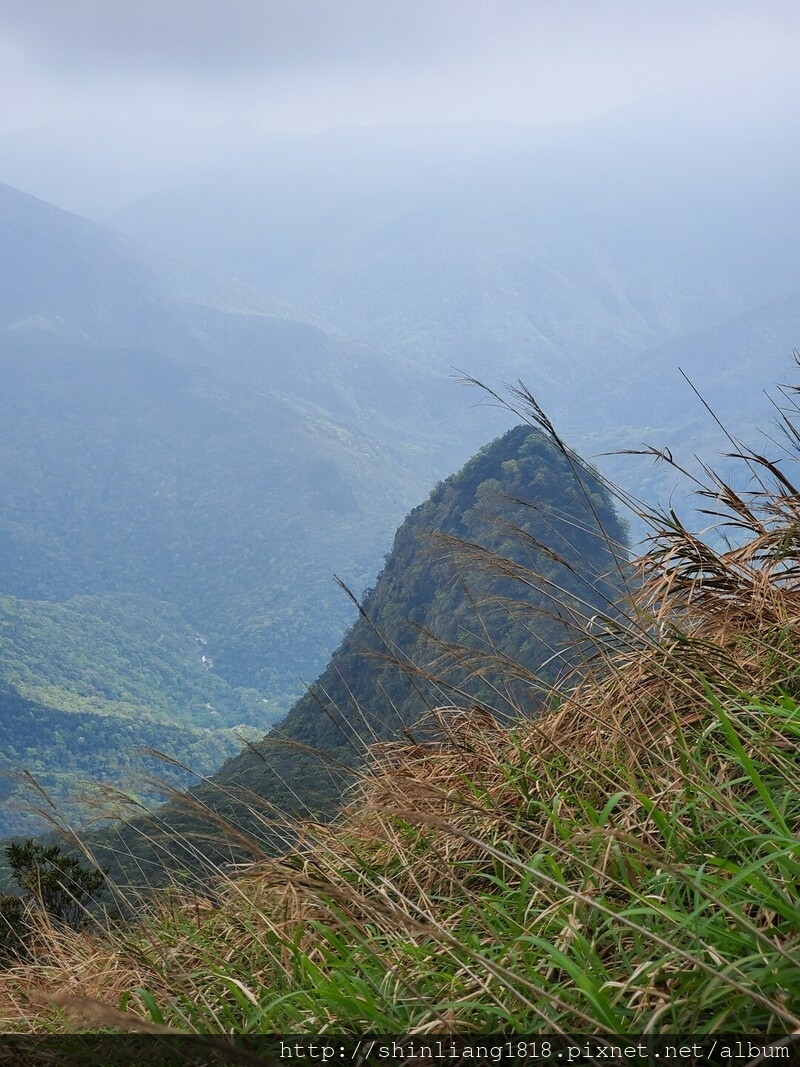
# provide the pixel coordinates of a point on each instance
(303, 65)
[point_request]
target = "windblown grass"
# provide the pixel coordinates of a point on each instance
(627, 862)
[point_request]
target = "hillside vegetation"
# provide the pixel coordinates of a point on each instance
(88, 684)
(627, 861)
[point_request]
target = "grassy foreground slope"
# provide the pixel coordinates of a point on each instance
(626, 862)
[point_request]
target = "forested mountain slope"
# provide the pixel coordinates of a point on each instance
(442, 618)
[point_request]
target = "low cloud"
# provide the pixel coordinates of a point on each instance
(297, 64)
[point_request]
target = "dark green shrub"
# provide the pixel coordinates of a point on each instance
(13, 929)
(54, 881)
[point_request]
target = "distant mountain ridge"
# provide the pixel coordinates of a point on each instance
(76, 281)
(565, 256)
(83, 281)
